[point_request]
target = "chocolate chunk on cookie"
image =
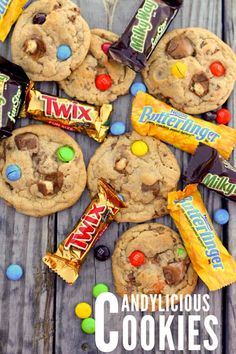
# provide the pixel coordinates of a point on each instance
(50, 40)
(180, 70)
(99, 79)
(143, 181)
(165, 271)
(32, 177)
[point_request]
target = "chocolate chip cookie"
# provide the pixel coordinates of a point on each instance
(165, 268)
(99, 79)
(192, 69)
(143, 181)
(42, 170)
(50, 40)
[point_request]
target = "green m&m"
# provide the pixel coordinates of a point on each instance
(65, 153)
(99, 289)
(88, 325)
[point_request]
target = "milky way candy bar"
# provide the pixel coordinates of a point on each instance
(13, 85)
(68, 114)
(143, 33)
(209, 168)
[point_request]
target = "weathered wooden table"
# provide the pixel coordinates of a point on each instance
(37, 313)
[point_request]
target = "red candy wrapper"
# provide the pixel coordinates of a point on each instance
(71, 253)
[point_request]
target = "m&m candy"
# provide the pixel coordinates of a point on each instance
(209, 116)
(217, 69)
(64, 52)
(83, 310)
(88, 326)
(101, 253)
(106, 47)
(179, 70)
(117, 128)
(103, 82)
(65, 153)
(223, 116)
(221, 216)
(99, 289)
(136, 87)
(39, 18)
(139, 148)
(181, 252)
(13, 173)
(137, 258)
(14, 272)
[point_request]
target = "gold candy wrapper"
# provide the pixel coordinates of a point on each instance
(71, 253)
(210, 259)
(68, 114)
(10, 10)
(155, 118)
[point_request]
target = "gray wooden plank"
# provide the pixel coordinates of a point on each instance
(230, 292)
(26, 306)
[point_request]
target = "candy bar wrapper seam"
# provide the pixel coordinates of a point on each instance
(12, 11)
(155, 118)
(68, 114)
(210, 169)
(210, 259)
(71, 253)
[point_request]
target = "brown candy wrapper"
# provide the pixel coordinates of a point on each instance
(71, 253)
(68, 114)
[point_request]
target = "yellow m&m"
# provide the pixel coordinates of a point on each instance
(83, 310)
(139, 148)
(179, 70)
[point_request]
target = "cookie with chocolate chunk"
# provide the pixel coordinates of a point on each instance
(50, 40)
(192, 69)
(165, 270)
(143, 181)
(42, 170)
(99, 79)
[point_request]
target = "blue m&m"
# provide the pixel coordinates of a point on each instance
(64, 52)
(13, 173)
(221, 216)
(117, 128)
(14, 272)
(136, 87)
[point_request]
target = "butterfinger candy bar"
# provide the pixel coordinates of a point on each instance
(143, 33)
(10, 10)
(71, 253)
(13, 85)
(68, 114)
(155, 118)
(210, 259)
(209, 168)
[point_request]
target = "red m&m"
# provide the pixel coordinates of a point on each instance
(103, 82)
(217, 69)
(223, 116)
(137, 258)
(106, 47)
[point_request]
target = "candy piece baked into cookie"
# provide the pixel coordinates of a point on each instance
(142, 169)
(163, 268)
(42, 170)
(50, 40)
(99, 79)
(192, 69)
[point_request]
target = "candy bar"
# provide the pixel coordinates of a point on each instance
(71, 253)
(68, 114)
(209, 168)
(155, 118)
(210, 259)
(13, 84)
(10, 10)
(143, 33)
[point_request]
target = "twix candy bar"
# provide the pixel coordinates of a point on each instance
(153, 117)
(69, 114)
(71, 253)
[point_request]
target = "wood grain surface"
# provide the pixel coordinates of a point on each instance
(37, 313)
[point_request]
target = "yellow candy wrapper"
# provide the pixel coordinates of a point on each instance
(10, 10)
(210, 259)
(155, 118)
